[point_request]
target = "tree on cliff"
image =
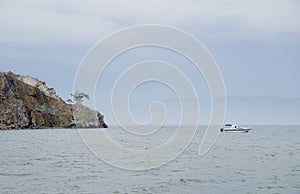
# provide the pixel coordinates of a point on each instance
(78, 97)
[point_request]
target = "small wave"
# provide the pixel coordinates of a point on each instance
(14, 174)
(192, 180)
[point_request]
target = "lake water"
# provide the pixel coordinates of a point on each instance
(265, 160)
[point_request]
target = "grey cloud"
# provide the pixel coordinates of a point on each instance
(88, 21)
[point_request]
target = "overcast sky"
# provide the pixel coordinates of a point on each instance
(255, 43)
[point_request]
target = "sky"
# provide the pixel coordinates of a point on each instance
(256, 45)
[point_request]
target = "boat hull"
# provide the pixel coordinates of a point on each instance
(245, 130)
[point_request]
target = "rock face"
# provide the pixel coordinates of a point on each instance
(26, 102)
(84, 117)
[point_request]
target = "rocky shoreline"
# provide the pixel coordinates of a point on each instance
(27, 103)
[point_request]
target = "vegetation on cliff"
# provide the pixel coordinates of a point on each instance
(26, 102)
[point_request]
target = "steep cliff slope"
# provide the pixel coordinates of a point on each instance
(26, 102)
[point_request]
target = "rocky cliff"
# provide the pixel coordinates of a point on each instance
(84, 117)
(26, 102)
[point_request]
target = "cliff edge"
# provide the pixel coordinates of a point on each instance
(27, 103)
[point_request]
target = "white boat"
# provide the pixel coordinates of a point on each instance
(234, 128)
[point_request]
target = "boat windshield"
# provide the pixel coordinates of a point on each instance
(228, 125)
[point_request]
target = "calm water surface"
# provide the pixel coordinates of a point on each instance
(265, 160)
